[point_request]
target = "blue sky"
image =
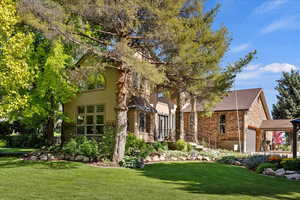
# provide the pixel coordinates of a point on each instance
(272, 27)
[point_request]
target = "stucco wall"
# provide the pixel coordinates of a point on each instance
(106, 96)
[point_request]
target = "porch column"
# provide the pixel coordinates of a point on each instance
(295, 141)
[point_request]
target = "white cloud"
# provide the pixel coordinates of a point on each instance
(248, 75)
(252, 67)
(254, 71)
(240, 48)
(284, 23)
(269, 5)
(278, 67)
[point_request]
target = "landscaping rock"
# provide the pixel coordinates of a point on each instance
(269, 172)
(162, 158)
(199, 158)
(287, 172)
(293, 176)
(81, 158)
(280, 172)
(33, 158)
(238, 163)
(60, 156)
(155, 158)
(205, 158)
(148, 159)
(43, 157)
(174, 158)
(182, 158)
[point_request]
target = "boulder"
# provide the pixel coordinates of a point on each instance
(155, 158)
(182, 158)
(43, 157)
(290, 172)
(293, 176)
(148, 159)
(174, 158)
(81, 158)
(238, 163)
(162, 158)
(199, 158)
(269, 172)
(33, 157)
(280, 172)
(206, 158)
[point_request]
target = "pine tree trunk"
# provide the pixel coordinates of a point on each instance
(121, 122)
(195, 119)
(179, 118)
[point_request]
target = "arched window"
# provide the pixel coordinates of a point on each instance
(95, 81)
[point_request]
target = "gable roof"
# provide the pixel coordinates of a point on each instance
(245, 99)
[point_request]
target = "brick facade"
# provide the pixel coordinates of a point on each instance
(209, 127)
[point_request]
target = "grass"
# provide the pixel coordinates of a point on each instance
(15, 151)
(163, 181)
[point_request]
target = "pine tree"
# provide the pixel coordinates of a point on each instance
(288, 98)
(168, 41)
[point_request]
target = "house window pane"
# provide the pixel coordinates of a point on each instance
(99, 119)
(142, 122)
(90, 109)
(81, 109)
(80, 119)
(80, 130)
(99, 129)
(99, 108)
(90, 119)
(222, 124)
(90, 130)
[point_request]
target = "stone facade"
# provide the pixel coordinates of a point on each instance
(209, 127)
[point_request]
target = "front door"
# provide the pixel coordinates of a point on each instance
(250, 141)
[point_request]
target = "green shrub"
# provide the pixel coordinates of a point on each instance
(25, 141)
(253, 161)
(131, 162)
(71, 147)
(228, 160)
(189, 147)
(137, 147)
(3, 143)
(160, 146)
(89, 148)
(172, 146)
(82, 146)
(181, 145)
(107, 143)
(291, 164)
(261, 167)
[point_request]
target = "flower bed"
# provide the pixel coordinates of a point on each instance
(268, 165)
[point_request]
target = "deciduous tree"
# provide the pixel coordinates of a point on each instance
(15, 72)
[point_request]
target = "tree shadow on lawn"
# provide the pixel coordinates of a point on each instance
(219, 179)
(14, 163)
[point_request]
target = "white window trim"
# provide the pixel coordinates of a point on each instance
(86, 114)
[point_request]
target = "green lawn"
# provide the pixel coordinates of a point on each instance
(14, 151)
(164, 181)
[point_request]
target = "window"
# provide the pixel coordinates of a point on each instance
(90, 120)
(94, 81)
(192, 123)
(222, 123)
(142, 122)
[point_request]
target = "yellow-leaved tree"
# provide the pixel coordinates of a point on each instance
(15, 73)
